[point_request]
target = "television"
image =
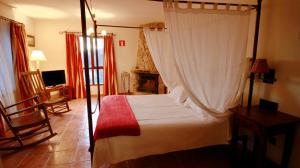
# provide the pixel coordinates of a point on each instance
(53, 78)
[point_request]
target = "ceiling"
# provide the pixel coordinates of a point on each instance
(114, 12)
(121, 12)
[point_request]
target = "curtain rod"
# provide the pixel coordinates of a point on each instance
(129, 27)
(80, 33)
(10, 20)
(63, 32)
(210, 3)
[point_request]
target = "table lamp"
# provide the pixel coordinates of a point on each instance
(260, 67)
(37, 55)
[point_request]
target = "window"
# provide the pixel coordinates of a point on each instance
(92, 58)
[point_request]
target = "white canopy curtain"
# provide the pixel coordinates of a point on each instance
(159, 45)
(7, 84)
(209, 48)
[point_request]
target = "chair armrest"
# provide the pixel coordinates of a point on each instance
(25, 100)
(25, 109)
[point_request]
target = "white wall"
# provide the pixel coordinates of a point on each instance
(279, 42)
(52, 43)
(11, 13)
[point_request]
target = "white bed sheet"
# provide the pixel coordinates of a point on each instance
(166, 126)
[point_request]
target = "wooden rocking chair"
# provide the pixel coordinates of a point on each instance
(35, 86)
(28, 125)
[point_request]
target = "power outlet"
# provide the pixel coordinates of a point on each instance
(273, 140)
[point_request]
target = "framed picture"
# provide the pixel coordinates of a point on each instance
(30, 40)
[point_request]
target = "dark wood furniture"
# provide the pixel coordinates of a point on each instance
(35, 86)
(63, 91)
(264, 124)
(27, 120)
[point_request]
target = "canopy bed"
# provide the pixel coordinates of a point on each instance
(165, 126)
(192, 118)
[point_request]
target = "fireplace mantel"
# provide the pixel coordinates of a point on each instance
(138, 71)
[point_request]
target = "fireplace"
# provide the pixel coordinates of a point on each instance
(147, 82)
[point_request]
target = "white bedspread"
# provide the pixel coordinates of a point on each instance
(166, 126)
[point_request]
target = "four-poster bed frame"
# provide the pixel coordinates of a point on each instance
(83, 4)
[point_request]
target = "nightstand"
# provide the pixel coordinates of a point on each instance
(264, 124)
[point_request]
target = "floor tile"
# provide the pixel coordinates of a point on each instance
(34, 161)
(43, 148)
(62, 157)
(67, 144)
(84, 164)
(83, 154)
(13, 159)
(59, 166)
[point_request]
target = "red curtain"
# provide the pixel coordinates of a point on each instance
(110, 70)
(2, 129)
(74, 66)
(20, 57)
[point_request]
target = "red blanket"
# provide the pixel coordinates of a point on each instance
(116, 118)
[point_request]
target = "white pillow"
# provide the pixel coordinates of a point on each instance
(178, 94)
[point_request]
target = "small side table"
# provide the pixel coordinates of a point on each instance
(63, 90)
(263, 124)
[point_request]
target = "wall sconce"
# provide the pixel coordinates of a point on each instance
(261, 68)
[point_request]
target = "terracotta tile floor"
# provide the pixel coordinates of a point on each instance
(70, 149)
(67, 149)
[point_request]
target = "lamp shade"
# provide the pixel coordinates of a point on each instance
(260, 66)
(37, 55)
(103, 33)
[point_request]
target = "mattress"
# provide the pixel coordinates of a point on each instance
(166, 126)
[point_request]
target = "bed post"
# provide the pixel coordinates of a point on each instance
(258, 9)
(97, 64)
(87, 79)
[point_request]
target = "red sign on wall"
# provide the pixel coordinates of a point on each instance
(122, 43)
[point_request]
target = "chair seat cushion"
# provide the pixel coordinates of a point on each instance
(27, 120)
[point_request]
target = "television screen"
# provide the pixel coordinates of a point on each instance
(53, 78)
